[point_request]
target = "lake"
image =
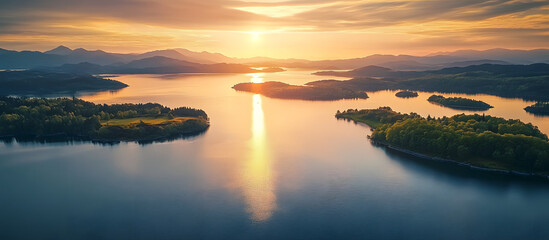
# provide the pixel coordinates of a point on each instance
(266, 168)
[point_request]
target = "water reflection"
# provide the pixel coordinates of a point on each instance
(257, 77)
(71, 94)
(258, 187)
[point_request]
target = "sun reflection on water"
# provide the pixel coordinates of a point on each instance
(258, 184)
(257, 78)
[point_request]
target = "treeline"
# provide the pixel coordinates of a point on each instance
(145, 131)
(40, 116)
(459, 102)
(374, 117)
(477, 139)
(540, 108)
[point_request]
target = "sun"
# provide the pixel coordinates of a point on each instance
(255, 36)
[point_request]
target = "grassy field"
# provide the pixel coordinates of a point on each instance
(148, 120)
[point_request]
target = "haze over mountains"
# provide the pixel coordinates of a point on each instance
(157, 65)
(105, 60)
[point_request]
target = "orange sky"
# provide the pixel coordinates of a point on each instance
(313, 29)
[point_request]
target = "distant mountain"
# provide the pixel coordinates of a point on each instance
(64, 55)
(169, 53)
(411, 65)
(368, 71)
(156, 65)
(475, 62)
(399, 62)
(158, 61)
(532, 70)
(96, 56)
(508, 55)
(420, 63)
(28, 59)
(406, 62)
(175, 54)
(55, 57)
(61, 50)
(206, 57)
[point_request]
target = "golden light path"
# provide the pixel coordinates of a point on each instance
(258, 187)
(257, 77)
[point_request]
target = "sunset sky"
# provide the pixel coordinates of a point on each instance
(313, 29)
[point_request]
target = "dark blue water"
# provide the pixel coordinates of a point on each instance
(266, 169)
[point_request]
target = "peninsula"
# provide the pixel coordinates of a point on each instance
(480, 141)
(539, 108)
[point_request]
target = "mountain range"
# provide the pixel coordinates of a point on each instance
(63, 55)
(156, 65)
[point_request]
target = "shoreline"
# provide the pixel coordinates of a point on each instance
(440, 159)
(459, 107)
(64, 137)
(472, 166)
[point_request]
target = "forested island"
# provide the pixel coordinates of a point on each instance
(31, 82)
(406, 94)
(286, 91)
(41, 118)
(480, 141)
(459, 103)
(529, 82)
(539, 108)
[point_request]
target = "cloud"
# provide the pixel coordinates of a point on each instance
(144, 22)
(356, 14)
(187, 14)
(228, 14)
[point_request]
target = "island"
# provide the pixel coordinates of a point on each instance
(32, 82)
(482, 142)
(64, 118)
(286, 91)
(459, 103)
(539, 108)
(406, 94)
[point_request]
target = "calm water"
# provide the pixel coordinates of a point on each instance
(266, 168)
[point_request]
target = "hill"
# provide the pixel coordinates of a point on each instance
(485, 142)
(32, 82)
(42, 118)
(158, 65)
(64, 55)
(530, 82)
